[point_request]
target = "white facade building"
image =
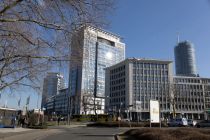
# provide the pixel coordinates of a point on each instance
(131, 84)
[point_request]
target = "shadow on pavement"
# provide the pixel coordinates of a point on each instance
(99, 135)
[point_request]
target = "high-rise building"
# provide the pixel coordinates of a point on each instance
(185, 59)
(53, 82)
(93, 50)
(132, 83)
(58, 104)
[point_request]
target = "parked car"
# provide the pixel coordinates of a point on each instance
(125, 120)
(177, 122)
(204, 123)
(191, 122)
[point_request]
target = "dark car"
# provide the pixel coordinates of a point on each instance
(177, 122)
(205, 123)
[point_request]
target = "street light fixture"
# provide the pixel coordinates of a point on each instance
(130, 112)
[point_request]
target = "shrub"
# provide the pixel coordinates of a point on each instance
(38, 127)
(168, 134)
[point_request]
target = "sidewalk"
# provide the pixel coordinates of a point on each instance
(7, 132)
(67, 126)
(13, 130)
(33, 134)
(21, 133)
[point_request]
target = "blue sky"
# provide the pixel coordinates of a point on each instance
(149, 29)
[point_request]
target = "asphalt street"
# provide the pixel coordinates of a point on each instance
(73, 132)
(66, 133)
(86, 133)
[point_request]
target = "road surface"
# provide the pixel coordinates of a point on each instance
(69, 133)
(86, 133)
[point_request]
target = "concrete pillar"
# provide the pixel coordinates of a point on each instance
(206, 116)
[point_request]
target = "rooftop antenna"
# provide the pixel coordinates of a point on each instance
(177, 37)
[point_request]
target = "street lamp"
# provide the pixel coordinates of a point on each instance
(130, 111)
(120, 110)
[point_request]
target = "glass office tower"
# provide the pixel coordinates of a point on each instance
(92, 51)
(53, 82)
(185, 59)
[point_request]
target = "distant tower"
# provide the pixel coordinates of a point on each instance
(53, 82)
(185, 59)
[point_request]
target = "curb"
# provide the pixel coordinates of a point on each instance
(117, 137)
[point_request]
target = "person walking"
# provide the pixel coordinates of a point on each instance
(13, 121)
(59, 119)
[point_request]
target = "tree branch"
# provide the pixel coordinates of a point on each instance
(10, 6)
(43, 24)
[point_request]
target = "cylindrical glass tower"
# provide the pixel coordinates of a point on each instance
(185, 59)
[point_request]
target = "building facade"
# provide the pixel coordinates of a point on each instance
(93, 50)
(132, 83)
(185, 59)
(58, 104)
(53, 82)
(192, 97)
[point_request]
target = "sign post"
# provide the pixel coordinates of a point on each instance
(154, 112)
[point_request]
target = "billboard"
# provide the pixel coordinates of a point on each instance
(154, 111)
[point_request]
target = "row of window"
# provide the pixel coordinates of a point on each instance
(150, 72)
(189, 86)
(191, 80)
(116, 94)
(190, 107)
(207, 88)
(117, 106)
(190, 93)
(157, 97)
(116, 76)
(115, 88)
(117, 100)
(177, 107)
(116, 82)
(190, 99)
(149, 65)
(119, 69)
(207, 93)
(152, 79)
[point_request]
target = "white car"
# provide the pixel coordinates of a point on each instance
(191, 122)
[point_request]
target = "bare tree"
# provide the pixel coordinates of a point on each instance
(87, 102)
(35, 35)
(172, 98)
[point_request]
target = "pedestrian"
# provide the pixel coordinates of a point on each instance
(13, 121)
(23, 122)
(59, 119)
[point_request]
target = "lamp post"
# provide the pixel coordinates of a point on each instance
(130, 112)
(120, 115)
